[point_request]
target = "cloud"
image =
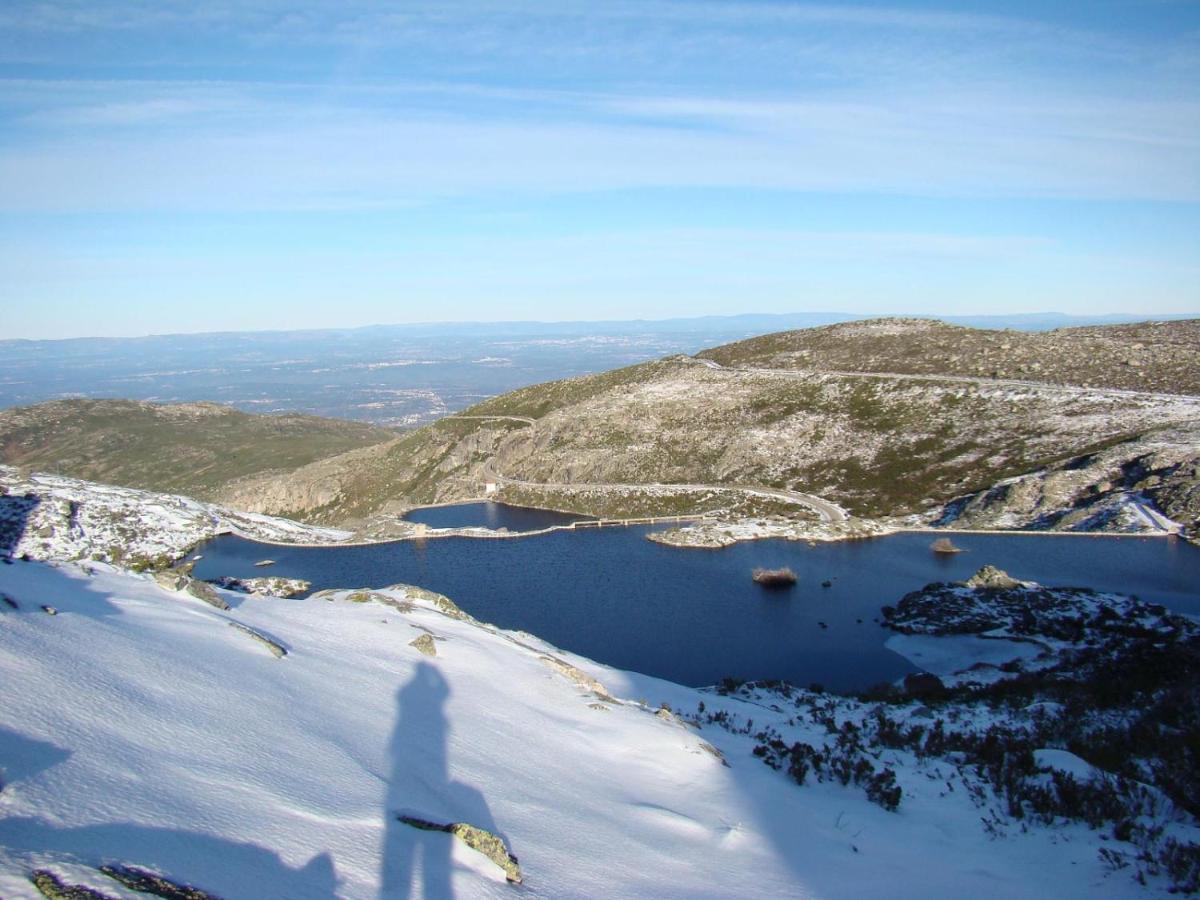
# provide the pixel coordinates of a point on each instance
(106, 147)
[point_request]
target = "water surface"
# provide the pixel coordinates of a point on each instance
(695, 616)
(491, 515)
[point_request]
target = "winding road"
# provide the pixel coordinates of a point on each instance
(826, 511)
(1073, 389)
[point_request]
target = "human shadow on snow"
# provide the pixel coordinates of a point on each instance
(415, 861)
(223, 867)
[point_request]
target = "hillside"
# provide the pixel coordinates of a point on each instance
(189, 448)
(1145, 356)
(743, 431)
(366, 743)
(876, 445)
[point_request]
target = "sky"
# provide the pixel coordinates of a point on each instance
(242, 164)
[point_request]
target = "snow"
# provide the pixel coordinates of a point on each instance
(1050, 759)
(71, 519)
(137, 727)
(945, 655)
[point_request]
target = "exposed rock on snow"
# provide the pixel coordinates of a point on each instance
(424, 644)
(50, 517)
(477, 839)
(265, 587)
(146, 882)
(575, 675)
(52, 887)
(176, 581)
(277, 649)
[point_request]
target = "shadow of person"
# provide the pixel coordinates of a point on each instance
(417, 860)
(244, 869)
(15, 513)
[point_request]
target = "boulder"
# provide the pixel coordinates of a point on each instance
(424, 644)
(479, 839)
(992, 579)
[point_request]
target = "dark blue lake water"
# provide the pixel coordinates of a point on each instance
(491, 515)
(694, 616)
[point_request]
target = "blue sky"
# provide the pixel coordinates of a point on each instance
(173, 166)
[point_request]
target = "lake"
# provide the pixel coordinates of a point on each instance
(491, 515)
(695, 616)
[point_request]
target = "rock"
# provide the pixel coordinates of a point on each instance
(444, 604)
(147, 882)
(714, 752)
(265, 562)
(50, 610)
(576, 676)
(478, 839)
(265, 587)
(277, 649)
(665, 713)
(51, 886)
(171, 580)
(424, 644)
(205, 592)
(174, 580)
(991, 578)
(944, 545)
(8, 601)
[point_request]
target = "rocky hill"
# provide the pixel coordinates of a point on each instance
(189, 448)
(1145, 356)
(907, 444)
(859, 415)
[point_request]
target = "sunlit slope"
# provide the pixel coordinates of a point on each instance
(144, 728)
(1145, 356)
(190, 448)
(879, 445)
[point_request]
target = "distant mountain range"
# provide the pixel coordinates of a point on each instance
(397, 376)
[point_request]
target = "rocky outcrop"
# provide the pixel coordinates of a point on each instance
(48, 517)
(1125, 487)
(575, 675)
(997, 605)
(176, 581)
(265, 587)
(424, 645)
(277, 649)
(147, 882)
(439, 601)
(52, 887)
(991, 578)
(479, 839)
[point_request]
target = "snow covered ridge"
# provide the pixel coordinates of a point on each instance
(396, 746)
(52, 517)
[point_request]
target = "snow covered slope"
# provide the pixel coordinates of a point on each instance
(53, 517)
(137, 727)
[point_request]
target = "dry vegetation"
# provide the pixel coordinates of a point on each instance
(880, 446)
(189, 448)
(1146, 356)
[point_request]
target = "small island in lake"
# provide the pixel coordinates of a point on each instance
(944, 545)
(775, 578)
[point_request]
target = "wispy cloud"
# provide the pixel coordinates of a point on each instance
(237, 148)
